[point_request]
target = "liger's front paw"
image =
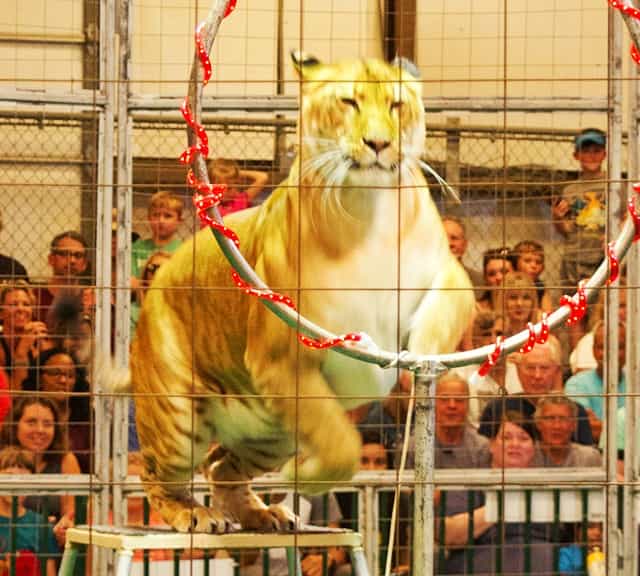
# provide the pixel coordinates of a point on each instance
(275, 518)
(202, 519)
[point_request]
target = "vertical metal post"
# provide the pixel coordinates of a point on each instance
(613, 209)
(103, 263)
(366, 499)
(424, 432)
(123, 259)
(632, 364)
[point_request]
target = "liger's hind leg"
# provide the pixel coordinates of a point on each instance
(231, 490)
(175, 503)
(170, 455)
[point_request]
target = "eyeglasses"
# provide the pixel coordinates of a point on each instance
(557, 419)
(65, 253)
(59, 372)
(152, 268)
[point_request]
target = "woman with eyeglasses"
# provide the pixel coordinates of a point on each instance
(23, 337)
(62, 380)
(34, 425)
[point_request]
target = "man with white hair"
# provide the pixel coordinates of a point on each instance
(457, 443)
(540, 374)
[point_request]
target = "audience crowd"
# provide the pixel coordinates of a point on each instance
(542, 408)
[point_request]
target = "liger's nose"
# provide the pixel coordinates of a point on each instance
(377, 145)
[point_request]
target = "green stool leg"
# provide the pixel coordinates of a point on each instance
(293, 562)
(359, 562)
(123, 562)
(68, 559)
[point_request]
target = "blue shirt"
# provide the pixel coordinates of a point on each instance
(570, 560)
(589, 382)
(32, 532)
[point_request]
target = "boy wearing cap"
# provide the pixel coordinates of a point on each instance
(579, 213)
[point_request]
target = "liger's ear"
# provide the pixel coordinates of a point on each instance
(303, 62)
(407, 66)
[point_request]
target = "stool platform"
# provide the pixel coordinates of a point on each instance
(126, 539)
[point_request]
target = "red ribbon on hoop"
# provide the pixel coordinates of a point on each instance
(260, 293)
(544, 330)
(202, 146)
(627, 9)
(577, 303)
(231, 6)
(633, 12)
(202, 204)
(330, 343)
(207, 69)
(614, 264)
(205, 190)
(634, 214)
(531, 342)
(492, 358)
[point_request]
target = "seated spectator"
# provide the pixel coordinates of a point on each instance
(539, 374)
(556, 422)
(374, 454)
(457, 235)
(457, 444)
(33, 537)
(571, 557)
(69, 264)
(529, 256)
(496, 262)
(587, 387)
(22, 337)
(512, 446)
(165, 215)
(35, 427)
(10, 268)
(243, 186)
(56, 372)
(518, 301)
(487, 327)
(582, 357)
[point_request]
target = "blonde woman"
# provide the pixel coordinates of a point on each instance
(517, 301)
(22, 338)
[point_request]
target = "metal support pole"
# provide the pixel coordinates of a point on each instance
(103, 263)
(632, 364)
(424, 432)
(123, 259)
(613, 210)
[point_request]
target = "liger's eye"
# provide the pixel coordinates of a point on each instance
(396, 105)
(350, 102)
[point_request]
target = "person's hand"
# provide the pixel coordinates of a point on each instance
(560, 209)
(595, 423)
(34, 334)
(61, 527)
(88, 300)
(312, 565)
